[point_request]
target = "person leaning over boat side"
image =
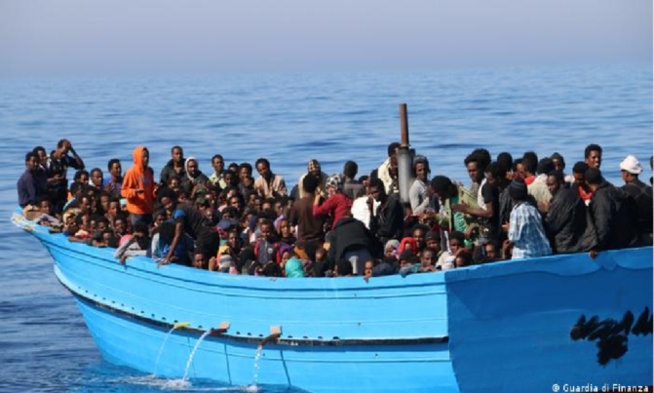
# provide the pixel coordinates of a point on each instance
(114, 182)
(567, 222)
(614, 223)
(526, 233)
(32, 185)
(268, 185)
(137, 244)
(56, 169)
(420, 194)
(314, 169)
(593, 156)
(353, 242)
(388, 220)
(138, 187)
(174, 167)
(188, 221)
(641, 197)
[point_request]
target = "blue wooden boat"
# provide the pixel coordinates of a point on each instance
(514, 326)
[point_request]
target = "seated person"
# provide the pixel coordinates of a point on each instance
(137, 244)
(447, 260)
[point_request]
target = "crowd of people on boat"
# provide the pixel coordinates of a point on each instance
(340, 224)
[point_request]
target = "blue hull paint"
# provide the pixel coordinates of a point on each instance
(320, 369)
(506, 312)
(503, 321)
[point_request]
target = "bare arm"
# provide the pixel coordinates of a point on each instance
(179, 230)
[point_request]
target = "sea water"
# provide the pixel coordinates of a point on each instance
(290, 119)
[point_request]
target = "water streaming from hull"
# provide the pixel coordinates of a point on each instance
(156, 363)
(257, 366)
(195, 348)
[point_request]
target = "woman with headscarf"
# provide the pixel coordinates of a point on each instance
(313, 169)
(195, 181)
(420, 194)
(337, 205)
(294, 268)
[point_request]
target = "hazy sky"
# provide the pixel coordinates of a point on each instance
(86, 36)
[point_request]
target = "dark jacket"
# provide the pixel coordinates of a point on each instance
(200, 179)
(351, 234)
(568, 224)
(389, 221)
(31, 186)
(611, 217)
(168, 171)
(640, 198)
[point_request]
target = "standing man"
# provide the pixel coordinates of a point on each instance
(526, 233)
(476, 173)
(351, 187)
(641, 197)
(610, 213)
(138, 187)
(309, 227)
(114, 182)
(388, 222)
(387, 171)
(566, 223)
(217, 179)
(593, 156)
(32, 184)
(56, 169)
(268, 185)
(175, 167)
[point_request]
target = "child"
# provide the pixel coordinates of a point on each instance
(427, 260)
(447, 260)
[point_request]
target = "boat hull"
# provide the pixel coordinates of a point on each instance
(515, 327)
(502, 327)
(366, 368)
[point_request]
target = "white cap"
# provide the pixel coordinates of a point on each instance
(631, 165)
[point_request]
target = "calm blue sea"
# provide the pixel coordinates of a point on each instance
(288, 118)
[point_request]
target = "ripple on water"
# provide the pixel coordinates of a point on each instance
(44, 345)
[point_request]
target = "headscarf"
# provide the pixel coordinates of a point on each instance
(392, 243)
(188, 173)
(294, 268)
(336, 181)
